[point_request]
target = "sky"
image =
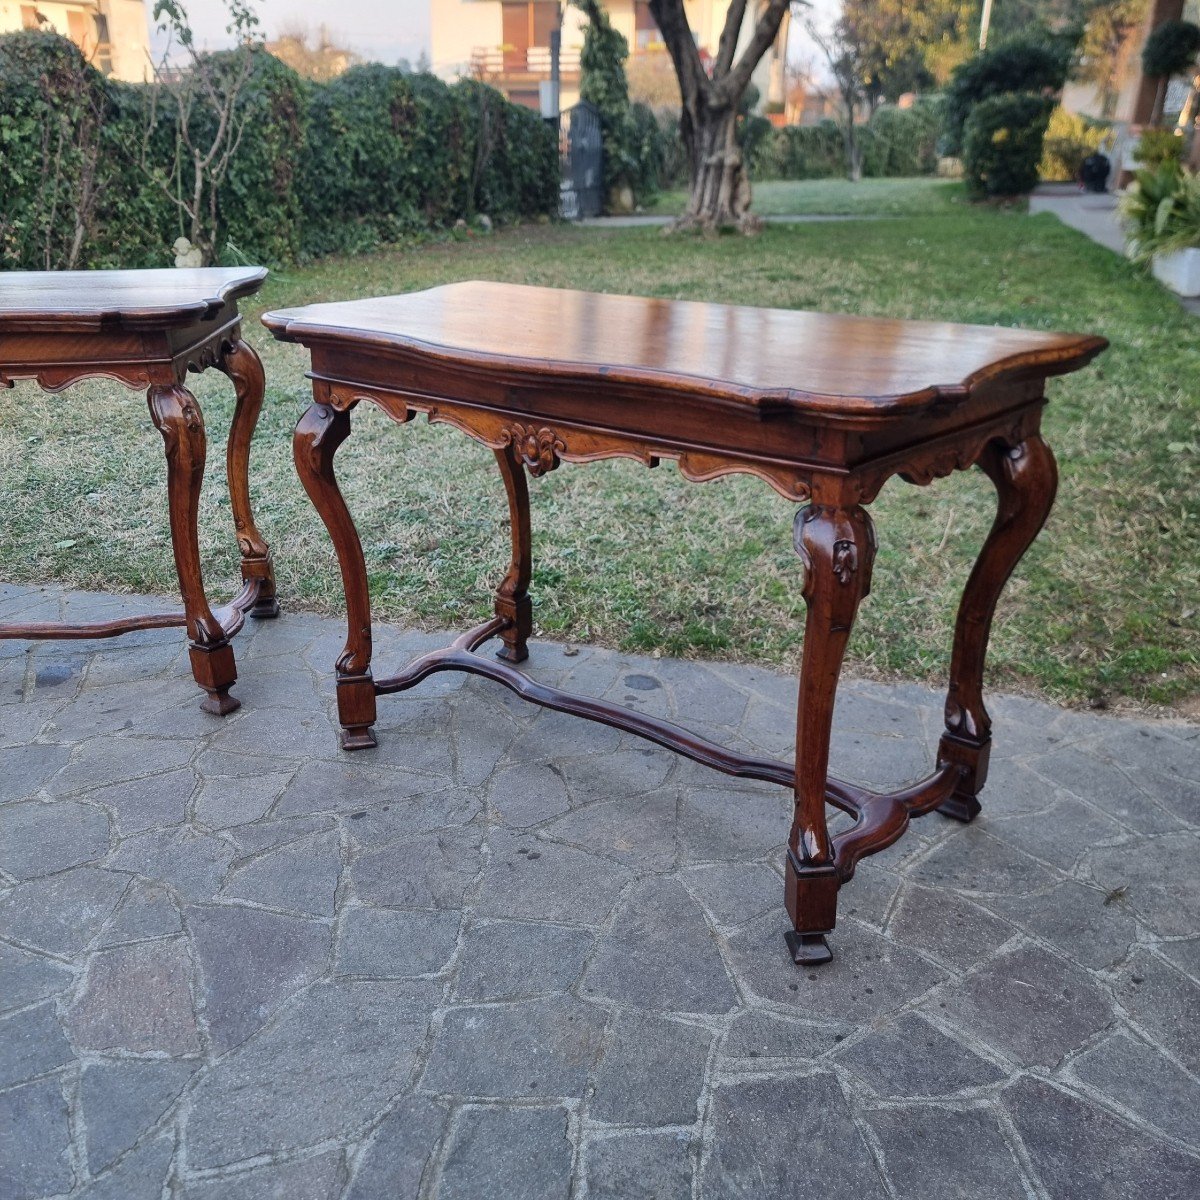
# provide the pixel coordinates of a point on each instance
(379, 30)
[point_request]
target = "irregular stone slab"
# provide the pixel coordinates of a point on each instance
(286, 732)
(399, 1152)
(911, 1058)
(757, 1034)
(156, 802)
(868, 977)
(147, 911)
(536, 880)
(878, 760)
(1080, 1150)
(343, 787)
(194, 864)
(1161, 880)
(494, 1152)
(26, 978)
(260, 836)
(352, 1045)
(105, 760)
(61, 914)
(39, 839)
(1185, 955)
(640, 1166)
(1144, 1081)
(734, 893)
(523, 1051)
(750, 1158)
(122, 1098)
(942, 1154)
(1061, 835)
(510, 959)
(733, 821)
(1102, 784)
(300, 877)
(651, 1072)
(658, 953)
(525, 795)
(1029, 1004)
(35, 1141)
(1164, 1003)
(431, 871)
(250, 962)
(394, 944)
(972, 861)
(1080, 921)
(32, 1043)
(401, 819)
(26, 769)
(638, 769)
(137, 998)
(142, 1175)
(948, 926)
(1171, 748)
(230, 800)
(637, 830)
(319, 1178)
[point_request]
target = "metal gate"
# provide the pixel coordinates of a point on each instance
(581, 161)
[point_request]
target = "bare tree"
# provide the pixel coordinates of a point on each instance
(209, 119)
(719, 186)
(843, 52)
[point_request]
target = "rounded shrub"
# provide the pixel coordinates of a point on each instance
(1002, 144)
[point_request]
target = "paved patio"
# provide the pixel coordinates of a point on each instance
(513, 955)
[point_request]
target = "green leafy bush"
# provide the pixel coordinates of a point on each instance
(1069, 139)
(1035, 64)
(1002, 144)
(88, 163)
(1161, 211)
(1158, 147)
(1171, 48)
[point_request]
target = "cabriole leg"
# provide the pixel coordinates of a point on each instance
(319, 432)
(177, 417)
(837, 547)
(245, 369)
(512, 596)
(1026, 479)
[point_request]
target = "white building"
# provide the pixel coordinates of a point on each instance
(114, 35)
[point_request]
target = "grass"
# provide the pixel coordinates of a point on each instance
(919, 197)
(1102, 609)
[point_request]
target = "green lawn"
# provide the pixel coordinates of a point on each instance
(1102, 609)
(841, 198)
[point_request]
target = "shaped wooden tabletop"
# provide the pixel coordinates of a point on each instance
(762, 357)
(92, 301)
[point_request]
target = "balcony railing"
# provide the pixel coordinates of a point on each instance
(496, 62)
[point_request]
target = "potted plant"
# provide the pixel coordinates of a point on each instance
(1162, 215)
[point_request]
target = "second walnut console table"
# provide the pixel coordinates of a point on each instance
(823, 408)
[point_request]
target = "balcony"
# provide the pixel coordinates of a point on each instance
(513, 64)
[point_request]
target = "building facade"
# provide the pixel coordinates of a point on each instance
(507, 42)
(114, 35)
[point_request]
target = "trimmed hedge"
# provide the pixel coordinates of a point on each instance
(341, 166)
(895, 142)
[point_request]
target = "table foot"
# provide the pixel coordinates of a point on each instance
(808, 949)
(214, 670)
(512, 654)
(358, 737)
(265, 609)
(220, 703)
(961, 808)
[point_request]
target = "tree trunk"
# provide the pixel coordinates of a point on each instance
(719, 186)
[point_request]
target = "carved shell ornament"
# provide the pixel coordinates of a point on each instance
(538, 449)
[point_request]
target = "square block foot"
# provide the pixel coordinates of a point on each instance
(265, 609)
(961, 808)
(358, 737)
(808, 949)
(220, 704)
(512, 654)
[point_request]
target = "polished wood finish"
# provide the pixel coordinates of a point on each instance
(148, 329)
(824, 408)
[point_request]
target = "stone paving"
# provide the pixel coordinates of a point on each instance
(509, 954)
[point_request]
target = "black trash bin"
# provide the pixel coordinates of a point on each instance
(1093, 174)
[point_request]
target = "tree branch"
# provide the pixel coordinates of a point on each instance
(729, 38)
(765, 32)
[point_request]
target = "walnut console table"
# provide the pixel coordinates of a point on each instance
(147, 329)
(822, 408)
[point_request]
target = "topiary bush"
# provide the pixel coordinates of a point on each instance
(1036, 64)
(1002, 145)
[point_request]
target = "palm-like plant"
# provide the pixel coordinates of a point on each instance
(1162, 211)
